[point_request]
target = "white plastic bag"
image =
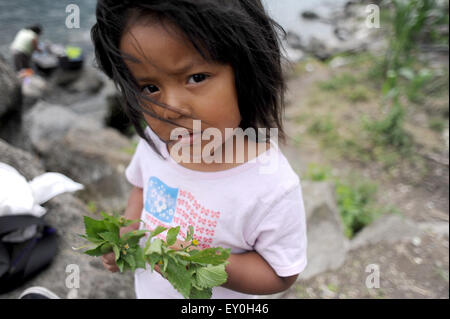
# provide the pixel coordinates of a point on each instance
(19, 197)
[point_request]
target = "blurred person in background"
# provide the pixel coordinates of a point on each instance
(23, 46)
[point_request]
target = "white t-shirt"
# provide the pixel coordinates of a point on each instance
(256, 206)
(23, 42)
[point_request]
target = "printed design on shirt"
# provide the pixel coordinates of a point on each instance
(161, 200)
(169, 207)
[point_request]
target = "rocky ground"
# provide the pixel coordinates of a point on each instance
(413, 260)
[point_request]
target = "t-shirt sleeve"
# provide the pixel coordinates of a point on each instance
(280, 238)
(133, 173)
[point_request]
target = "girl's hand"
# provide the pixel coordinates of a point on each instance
(109, 262)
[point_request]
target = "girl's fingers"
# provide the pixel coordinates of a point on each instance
(109, 258)
(109, 262)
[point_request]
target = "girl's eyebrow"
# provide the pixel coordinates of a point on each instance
(180, 71)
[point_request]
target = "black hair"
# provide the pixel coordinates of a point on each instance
(235, 32)
(37, 28)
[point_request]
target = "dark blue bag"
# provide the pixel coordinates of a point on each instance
(21, 261)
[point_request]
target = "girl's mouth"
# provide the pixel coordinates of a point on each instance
(190, 139)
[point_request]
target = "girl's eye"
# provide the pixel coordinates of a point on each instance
(197, 78)
(150, 89)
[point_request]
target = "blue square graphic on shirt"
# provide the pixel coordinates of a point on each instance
(161, 200)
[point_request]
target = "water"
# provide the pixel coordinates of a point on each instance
(52, 15)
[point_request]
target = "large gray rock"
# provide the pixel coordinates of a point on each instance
(65, 213)
(386, 229)
(10, 103)
(99, 163)
(99, 107)
(90, 81)
(48, 124)
(82, 149)
(10, 96)
(327, 244)
(344, 30)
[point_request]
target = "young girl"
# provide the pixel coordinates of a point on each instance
(207, 66)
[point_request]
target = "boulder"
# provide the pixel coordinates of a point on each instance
(82, 149)
(47, 124)
(387, 229)
(10, 103)
(99, 163)
(327, 244)
(90, 81)
(343, 31)
(65, 213)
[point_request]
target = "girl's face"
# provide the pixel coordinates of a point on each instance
(171, 71)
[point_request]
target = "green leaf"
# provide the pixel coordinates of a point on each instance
(132, 238)
(93, 240)
(190, 234)
(110, 237)
(120, 263)
(165, 261)
(158, 230)
(113, 228)
(94, 227)
(130, 260)
(172, 235)
(200, 293)
(106, 248)
(211, 276)
(213, 256)
(116, 252)
(179, 277)
(153, 259)
(97, 251)
(134, 241)
(134, 233)
(139, 258)
(155, 247)
(131, 222)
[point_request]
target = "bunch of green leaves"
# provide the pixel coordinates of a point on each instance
(190, 271)
(105, 235)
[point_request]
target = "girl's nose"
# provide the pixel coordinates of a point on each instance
(177, 110)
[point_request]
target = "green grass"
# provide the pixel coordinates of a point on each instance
(359, 93)
(338, 82)
(389, 131)
(317, 173)
(333, 288)
(437, 124)
(325, 129)
(355, 198)
(322, 125)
